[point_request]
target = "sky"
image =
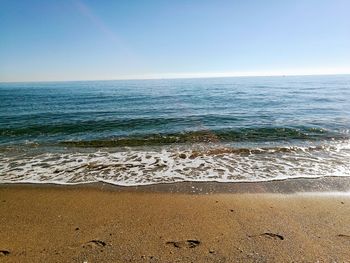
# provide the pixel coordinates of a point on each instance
(52, 40)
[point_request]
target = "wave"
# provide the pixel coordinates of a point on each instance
(75, 138)
(168, 165)
(212, 136)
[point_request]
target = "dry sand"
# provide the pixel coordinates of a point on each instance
(90, 224)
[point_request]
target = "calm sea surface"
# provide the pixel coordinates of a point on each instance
(161, 131)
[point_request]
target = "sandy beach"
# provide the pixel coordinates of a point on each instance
(97, 223)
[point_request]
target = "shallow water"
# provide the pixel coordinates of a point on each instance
(156, 131)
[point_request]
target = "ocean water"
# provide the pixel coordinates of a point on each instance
(140, 132)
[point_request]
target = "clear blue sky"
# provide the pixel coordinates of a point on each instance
(86, 39)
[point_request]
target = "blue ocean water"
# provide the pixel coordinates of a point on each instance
(154, 131)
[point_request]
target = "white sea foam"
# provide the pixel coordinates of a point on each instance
(142, 167)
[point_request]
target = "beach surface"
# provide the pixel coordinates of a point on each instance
(100, 223)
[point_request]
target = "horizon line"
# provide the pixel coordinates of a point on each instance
(186, 76)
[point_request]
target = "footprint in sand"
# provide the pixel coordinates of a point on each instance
(270, 235)
(189, 243)
(4, 252)
(95, 243)
(344, 236)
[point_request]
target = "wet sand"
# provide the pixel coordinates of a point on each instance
(98, 223)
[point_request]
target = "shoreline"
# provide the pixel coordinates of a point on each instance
(104, 223)
(331, 184)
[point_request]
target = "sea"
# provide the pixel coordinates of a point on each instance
(141, 132)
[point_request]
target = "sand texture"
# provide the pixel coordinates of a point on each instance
(87, 224)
